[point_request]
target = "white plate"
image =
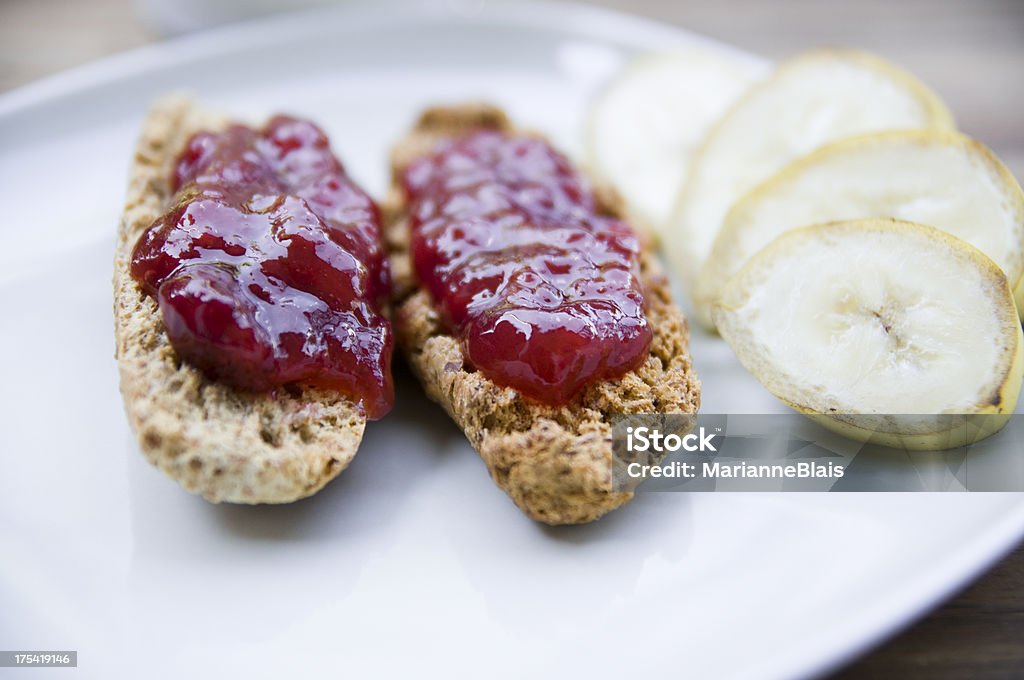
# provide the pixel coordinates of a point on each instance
(412, 563)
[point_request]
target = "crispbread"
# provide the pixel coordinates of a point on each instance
(555, 463)
(222, 443)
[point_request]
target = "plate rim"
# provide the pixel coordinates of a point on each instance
(588, 20)
(943, 580)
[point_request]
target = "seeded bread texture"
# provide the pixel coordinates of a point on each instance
(555, 463)
(224, 444)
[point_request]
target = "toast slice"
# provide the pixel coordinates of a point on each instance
(222, 443)
(555, 463)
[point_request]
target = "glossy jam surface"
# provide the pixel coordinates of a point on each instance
(268, 266)
(544, 291)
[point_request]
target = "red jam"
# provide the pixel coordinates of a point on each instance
(544, 291)
(269, 267)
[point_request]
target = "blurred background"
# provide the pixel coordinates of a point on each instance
(970, 52)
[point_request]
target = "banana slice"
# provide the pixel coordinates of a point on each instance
(813, 99)
(884, 330)
(644, 126)
(939, 178)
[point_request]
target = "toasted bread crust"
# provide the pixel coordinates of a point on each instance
(222, 443)
(555, 463)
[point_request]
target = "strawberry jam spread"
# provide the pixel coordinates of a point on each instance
(268, 265)
(542, 289)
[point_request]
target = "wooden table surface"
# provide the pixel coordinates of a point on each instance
(970, 52)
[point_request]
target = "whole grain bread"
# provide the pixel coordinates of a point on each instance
(555, 463)
(222, 443)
